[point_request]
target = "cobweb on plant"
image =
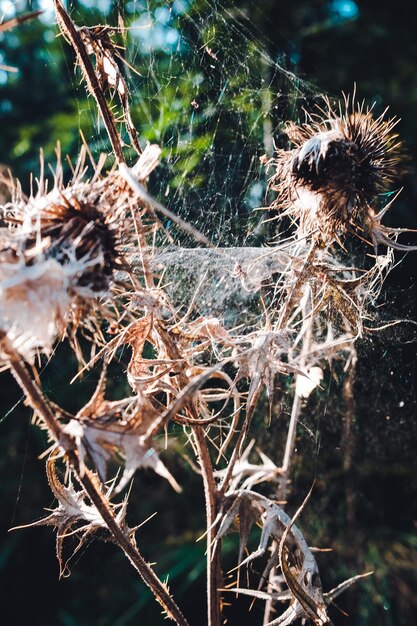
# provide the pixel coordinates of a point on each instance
(210, 95)
(205, 87)
(206, 90)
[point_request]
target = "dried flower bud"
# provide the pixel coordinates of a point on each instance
(58, 252)
(341, 161)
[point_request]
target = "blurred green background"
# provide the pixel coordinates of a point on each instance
(216, 82)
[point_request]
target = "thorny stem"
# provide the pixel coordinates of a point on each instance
(289, 449)
(35, 398)
(233, 459)
(214, 575)
(70, 32)
(307, 339)
(283, 487)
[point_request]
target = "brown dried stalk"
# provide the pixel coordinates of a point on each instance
(17, 20)
(6, 25)
(35, 397)
(72, 34)
(214, 576)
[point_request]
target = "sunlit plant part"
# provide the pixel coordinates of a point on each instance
(330, 182)
(58, 254)
(61, 250)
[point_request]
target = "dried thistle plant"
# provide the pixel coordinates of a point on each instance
(80, 256)
(341, 162)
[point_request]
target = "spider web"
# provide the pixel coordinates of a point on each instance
(204, 88)
(215, 102)
(214, 93)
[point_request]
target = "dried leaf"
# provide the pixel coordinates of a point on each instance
(207, 328)
(275, 522)
(72, 516)
(262, 362)
(107, 55)
(136, 338)
(250, 473)
(102, 429)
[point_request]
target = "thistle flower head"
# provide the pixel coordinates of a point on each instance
(58, 251)
(340, 162)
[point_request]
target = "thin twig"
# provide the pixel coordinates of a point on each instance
(290, 447)
(152, 203)
(214, 576)
(213, 554)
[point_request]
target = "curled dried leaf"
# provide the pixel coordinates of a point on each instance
(261, 363)
(104, 429)
(108, 60)
(300, 570)
(246, 474)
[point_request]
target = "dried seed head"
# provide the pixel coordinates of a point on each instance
(61, 250)
(340, 163)
(57, 253)
(75, 228)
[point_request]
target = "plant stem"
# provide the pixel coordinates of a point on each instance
(214, 574)
(290, 445)
(38, 403)
(293, 296)
(71, 34)
(348, 438)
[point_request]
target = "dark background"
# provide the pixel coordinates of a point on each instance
(270, 60)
